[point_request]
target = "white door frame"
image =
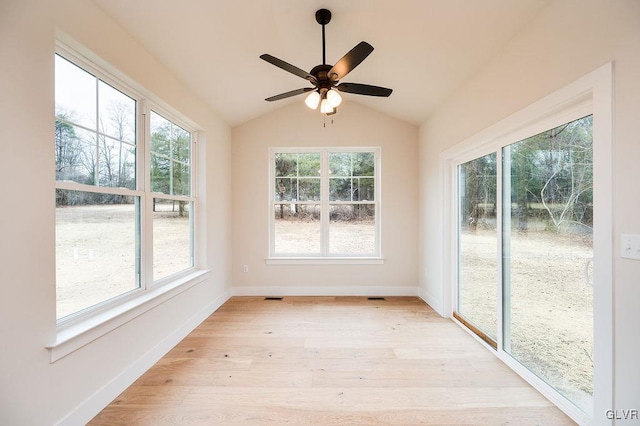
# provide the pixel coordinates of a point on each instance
(591, 94)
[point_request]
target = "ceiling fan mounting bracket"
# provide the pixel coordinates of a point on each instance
(323, 16)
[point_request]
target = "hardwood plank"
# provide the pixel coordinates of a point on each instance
(254, 415)
(329, 361)
(203, 347)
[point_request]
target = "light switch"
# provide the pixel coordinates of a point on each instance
(630, 246)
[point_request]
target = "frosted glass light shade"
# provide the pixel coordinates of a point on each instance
(334, 98)
(325, 107)
(313, 100)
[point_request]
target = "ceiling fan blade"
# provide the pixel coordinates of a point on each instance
(288, 67)
(364, 89)
(349, 61)
(289, 94)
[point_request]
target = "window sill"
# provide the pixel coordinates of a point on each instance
(73, 336)
(324, 261)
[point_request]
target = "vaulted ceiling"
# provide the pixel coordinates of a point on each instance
(424, 49)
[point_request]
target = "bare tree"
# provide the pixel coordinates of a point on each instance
(566, 192)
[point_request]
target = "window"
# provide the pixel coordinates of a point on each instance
(124, 195)
(172, 207)
(325, 203)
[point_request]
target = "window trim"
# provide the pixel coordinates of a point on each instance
(79, 328)
(73, 335)
(324, 257)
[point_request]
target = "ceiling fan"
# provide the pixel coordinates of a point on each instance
(326, 78)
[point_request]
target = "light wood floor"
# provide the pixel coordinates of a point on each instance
(329, 361)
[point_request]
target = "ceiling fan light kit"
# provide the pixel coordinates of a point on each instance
(313, 100)
(333, 98)
(326, 78)
(326, 108)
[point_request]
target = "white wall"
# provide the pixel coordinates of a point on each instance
(294, 126)
(569, 39)
(32, 390)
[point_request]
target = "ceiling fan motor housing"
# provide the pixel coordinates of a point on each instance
(321, 73)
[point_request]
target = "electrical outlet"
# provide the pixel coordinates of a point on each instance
(245, 268)
(630, 246)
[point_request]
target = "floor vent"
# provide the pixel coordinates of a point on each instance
(273, 298)
(376, 298)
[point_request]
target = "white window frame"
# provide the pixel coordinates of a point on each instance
(78, 329)
(591, 94)
(324, 257)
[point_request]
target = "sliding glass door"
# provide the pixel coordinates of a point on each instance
(547, 246)
(530, 275)
(478, 247)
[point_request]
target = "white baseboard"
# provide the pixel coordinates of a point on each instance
(431, 301)
(325, 291)
(90, 407)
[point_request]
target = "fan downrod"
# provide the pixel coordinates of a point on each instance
(323, 16)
